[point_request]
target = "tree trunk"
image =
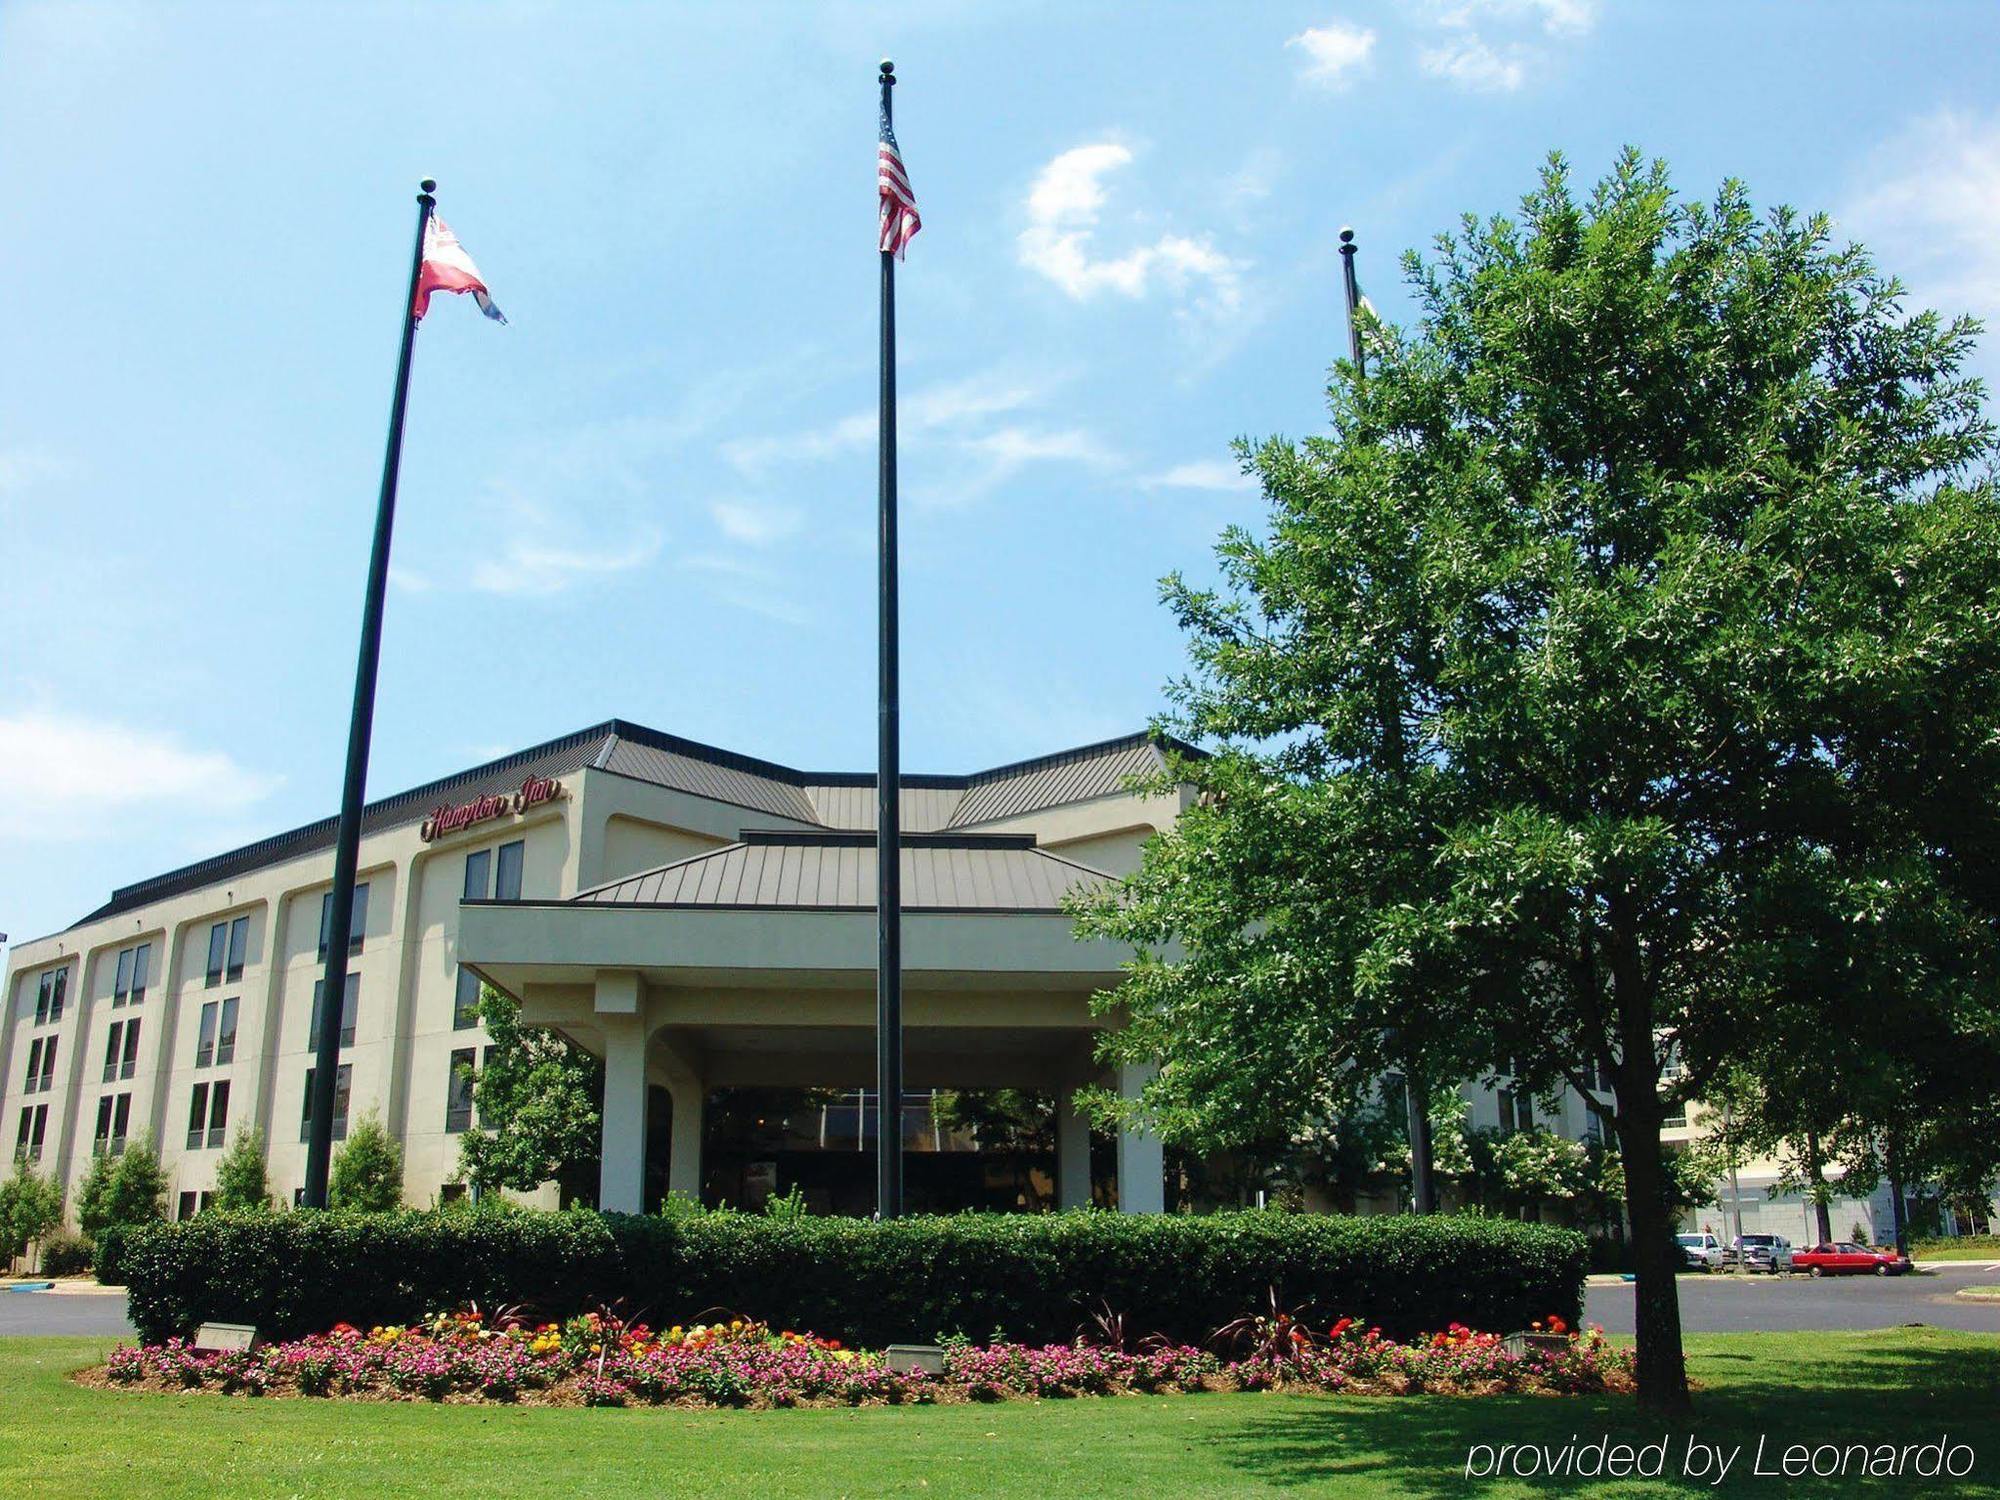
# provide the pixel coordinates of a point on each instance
(1821, 1214)
(1662, 1366)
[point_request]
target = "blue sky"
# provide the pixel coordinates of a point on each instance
(652, 496)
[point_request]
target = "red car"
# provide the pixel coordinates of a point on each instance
(1846, 1259)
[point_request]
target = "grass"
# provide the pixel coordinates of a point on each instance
(1984, 1249)
(1896, 1385)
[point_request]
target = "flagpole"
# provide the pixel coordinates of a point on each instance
(1416, 1111)
(360, 726)
(1353, 302)
(888, 777)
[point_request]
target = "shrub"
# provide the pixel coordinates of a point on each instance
(65, 1255)
(241, 1177)
(368, 1173)
(863, 1282)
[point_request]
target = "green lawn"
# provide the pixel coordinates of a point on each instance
(1902, 1385)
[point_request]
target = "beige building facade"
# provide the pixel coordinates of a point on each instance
(699, 919)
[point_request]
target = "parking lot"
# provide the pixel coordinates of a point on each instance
(1726, 1303)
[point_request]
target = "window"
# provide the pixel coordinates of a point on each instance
(357, 926)
(215, 1043)
(49, 991)
(228, 942)
(465, 1005)
(458, 1092)
(350, 1002)
(225, 1037)
(28, 1138)
(218, 1113)
(507, 871)
(121, 1050)
(343, 1078)
(1675, 1119)
(190, 1205)
(114, 1115)
(208, 1115)
(41, 1065)
(1517, 1110)
(130, 986)
(502, 867)
(197, 1116)
(1593, 1127)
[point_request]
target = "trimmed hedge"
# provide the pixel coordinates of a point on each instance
(1034, 1276)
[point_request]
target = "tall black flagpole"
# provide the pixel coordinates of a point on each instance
(360, 726)
(1353, 302)
(1416, 1112)
(888, 779)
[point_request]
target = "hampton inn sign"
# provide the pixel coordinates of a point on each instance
(451, 818)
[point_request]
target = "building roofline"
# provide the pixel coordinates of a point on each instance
(310, 837)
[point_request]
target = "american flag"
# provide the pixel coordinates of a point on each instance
(899, 205)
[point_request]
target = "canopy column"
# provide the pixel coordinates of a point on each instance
(622, 1174)
(1142, 1157)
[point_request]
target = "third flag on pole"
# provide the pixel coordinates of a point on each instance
(447, 268)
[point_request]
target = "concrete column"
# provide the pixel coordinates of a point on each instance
(1072, 1153)
(622, 1180)
(1142, 1162)
(688, 1091)
(684, 1154)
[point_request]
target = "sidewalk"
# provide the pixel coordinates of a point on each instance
(68, 1286)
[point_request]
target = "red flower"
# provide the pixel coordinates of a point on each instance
(1557, 1325)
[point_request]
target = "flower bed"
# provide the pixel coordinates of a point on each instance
(602, 1360)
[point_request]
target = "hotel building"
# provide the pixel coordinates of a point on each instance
(701, 920)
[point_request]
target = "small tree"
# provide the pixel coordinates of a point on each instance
(242, 1178)
(93, 1195)
(30, 1206)
(368, 1172)
(137, 1193)
(540, 1100)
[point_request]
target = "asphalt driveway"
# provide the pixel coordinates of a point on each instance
(1722, 1303)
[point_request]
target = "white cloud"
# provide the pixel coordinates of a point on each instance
(529, 568)
(1201, 474)
(755, 523)
(1557, 17)
(73, 778)
(1472, 64)
(749, 586)
(1064, 206)
(1930, 210)
(1333, 52)
(409, 580)
(21, 468)
(943, 406)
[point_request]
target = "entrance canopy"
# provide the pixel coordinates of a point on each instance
(753, 965)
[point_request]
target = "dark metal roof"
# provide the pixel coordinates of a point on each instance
(833, 799)
(835, 871)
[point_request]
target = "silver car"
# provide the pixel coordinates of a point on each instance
(1700, 1252)
(1762, 1252)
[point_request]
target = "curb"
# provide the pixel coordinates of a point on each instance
(1975, 1294)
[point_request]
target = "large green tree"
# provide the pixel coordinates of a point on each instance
(541, 1108)
(1641, 610)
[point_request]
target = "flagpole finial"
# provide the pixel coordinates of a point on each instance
(424, 191)
(888, 71)
(1346, 241)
